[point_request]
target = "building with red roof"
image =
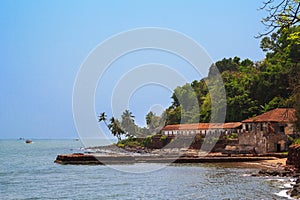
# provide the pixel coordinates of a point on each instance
(264, 133)
(269, 131)
(201, 128)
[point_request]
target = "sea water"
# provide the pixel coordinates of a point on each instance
(27, 171)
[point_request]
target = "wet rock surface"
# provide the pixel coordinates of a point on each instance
(278, 170)
(295, 191)
(294, 156)
(294, 160)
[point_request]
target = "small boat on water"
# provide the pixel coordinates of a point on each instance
(28, 141)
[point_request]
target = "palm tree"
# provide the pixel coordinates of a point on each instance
(115, 129)
(154, 123)
(103, 117)
(128, 115)
(128, 124)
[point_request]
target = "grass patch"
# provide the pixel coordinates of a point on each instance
(135, 142)
(129, 142)
(296, 141)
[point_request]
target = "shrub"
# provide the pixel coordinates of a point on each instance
(146, 141)
(129, 142)
(296, 141)
(231, 136)
(121, 145)
(163, 138)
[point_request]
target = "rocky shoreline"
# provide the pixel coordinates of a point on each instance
(284, 171)
(288, 168)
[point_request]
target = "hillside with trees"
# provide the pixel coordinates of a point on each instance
(251, 87)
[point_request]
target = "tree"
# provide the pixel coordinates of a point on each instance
(128, 125)
(285, 43)
(103, 117)
(251, 88)
(153, 122)
(115, 128)
(284, 14)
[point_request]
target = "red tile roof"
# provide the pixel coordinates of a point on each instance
(277, 115)
(202, 126)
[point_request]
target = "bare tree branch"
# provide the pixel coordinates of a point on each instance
(281, 15)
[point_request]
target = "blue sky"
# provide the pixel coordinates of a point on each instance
(43, 44)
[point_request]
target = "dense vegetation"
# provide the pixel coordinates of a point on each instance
(251, 87)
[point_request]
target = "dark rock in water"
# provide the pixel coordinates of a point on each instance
(295, 191)
(268, 172)
(28, 141)
(282, 172)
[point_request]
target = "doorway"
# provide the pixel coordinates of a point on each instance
(278, 148)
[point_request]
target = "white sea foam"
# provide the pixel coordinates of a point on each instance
(288, 185)
(283, 193)
(246, 175)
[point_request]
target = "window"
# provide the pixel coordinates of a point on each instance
(247, 127)
(281, 129)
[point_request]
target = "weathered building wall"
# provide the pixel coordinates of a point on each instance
(276, 142)
(264, 142)
(289, 129)
(254, 139)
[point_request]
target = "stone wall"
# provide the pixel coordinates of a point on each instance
(294, 156)
(254, 139)
(264, 142)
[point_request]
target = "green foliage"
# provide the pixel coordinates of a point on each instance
(231, 136)
(163, 138)
(146, 141)
(129, 142)
(114, 125)
(115, 128)
(198, 138)
(251, 87)
(124, 128)
(154, 122)
(120, 144)
(128, 125)
(281, 15)
(135, 142)
(296, 141)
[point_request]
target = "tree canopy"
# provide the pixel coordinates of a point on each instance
(251, 87)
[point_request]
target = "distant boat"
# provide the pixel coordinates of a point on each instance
(28, 141)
